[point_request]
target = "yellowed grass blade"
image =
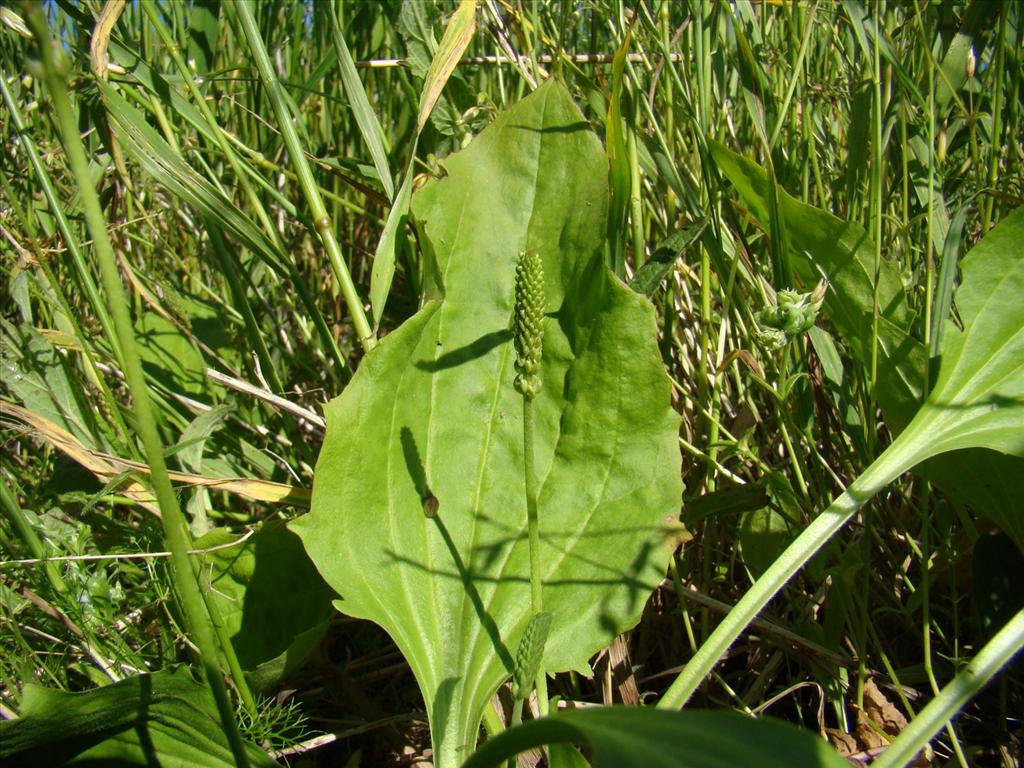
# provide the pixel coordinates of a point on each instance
(456, 39)
(106, 467)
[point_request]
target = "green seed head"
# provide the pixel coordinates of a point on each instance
(528, 331)
(530, 653)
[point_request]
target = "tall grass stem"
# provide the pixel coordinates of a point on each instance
(174, 524)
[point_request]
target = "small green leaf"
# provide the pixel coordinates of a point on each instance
(649, 276)
(633, 737)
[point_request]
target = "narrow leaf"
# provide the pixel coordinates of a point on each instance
(456, 38)
(365, 117)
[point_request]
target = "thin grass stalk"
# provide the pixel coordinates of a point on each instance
(996, 144)
(174, 524)
(310, 189)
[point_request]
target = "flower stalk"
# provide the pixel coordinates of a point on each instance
(528, 335)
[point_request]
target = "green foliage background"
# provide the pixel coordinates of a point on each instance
(893, 133)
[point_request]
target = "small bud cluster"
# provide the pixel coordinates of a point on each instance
(528, 332)
(792, 314)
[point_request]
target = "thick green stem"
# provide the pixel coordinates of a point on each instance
(996, 654)
(174, 524)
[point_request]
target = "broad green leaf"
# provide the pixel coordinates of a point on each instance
(633, 737)
(170, 356)
(978, 399)
(274, 604)
(164, 719)
(984, 480)
(432, 415)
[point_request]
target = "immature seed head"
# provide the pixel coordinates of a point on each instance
(528, 331)
(530, 653)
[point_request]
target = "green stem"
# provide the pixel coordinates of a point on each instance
(996, 654)
(310, 189)
(533, 531)
(174, 524)
(900, 456)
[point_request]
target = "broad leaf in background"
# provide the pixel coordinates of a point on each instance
(419, 516)
(36, 374)
(633, 737)
(164, 719)
(820, 244)
(204, 29)
(274, 604)
(977, 402)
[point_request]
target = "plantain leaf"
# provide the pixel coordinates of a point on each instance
(633, 737)
(273, 602)
(164, 718)
(418, 514)
(978, 399)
